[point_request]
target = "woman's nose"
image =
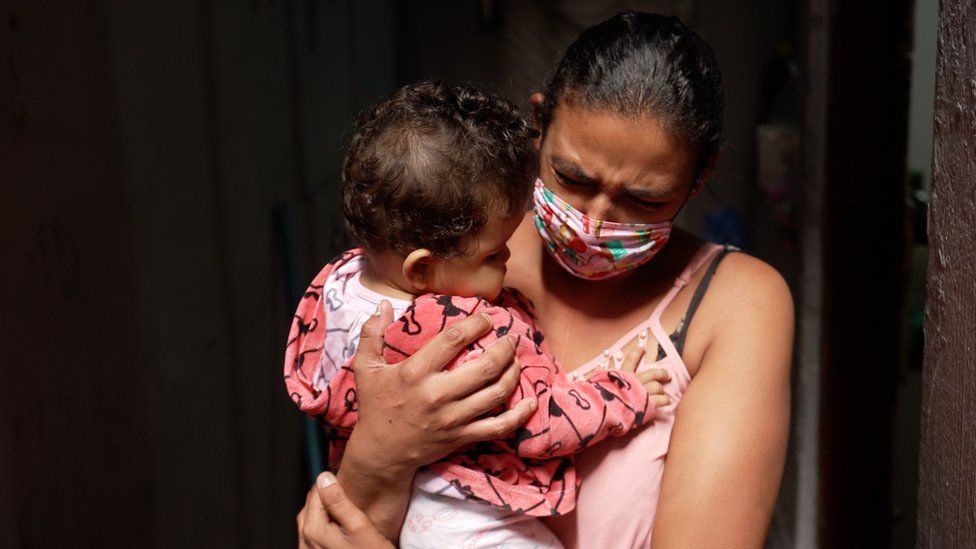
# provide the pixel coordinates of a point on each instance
(600, 207)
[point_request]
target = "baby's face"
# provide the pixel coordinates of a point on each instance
(481, 271)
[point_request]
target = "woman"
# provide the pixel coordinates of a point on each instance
(630, 131)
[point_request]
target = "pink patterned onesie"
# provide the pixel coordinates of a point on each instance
(528, 474)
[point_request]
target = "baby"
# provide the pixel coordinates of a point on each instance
(435, 181)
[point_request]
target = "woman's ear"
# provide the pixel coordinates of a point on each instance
(417, 267)
(706, 173)
(535, 106)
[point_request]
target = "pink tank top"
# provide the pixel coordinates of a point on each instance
(622, 476)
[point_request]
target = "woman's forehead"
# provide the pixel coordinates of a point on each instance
(605, 147)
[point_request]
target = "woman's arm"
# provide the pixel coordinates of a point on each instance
(414, 412)
(729, 441)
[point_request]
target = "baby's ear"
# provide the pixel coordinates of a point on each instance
(417, 268)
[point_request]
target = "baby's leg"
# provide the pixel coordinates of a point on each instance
(436, 521)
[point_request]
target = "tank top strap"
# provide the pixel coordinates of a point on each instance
(701, 257)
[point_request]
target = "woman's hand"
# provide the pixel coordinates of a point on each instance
(628, 359)
(414, 412)
(330, 520)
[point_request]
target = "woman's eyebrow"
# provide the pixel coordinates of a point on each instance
(650, 194)
(572, 169)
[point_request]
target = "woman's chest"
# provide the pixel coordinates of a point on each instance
(575, 335)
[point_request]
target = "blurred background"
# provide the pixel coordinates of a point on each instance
(168, 184)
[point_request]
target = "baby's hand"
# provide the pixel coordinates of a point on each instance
(628, 359)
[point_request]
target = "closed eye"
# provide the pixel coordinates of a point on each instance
(646, 204)
(569, 181)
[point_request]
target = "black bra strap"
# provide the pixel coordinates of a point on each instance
(696, 298)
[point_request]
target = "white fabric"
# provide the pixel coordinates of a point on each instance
(437, 520)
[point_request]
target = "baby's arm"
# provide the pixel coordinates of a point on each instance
(573, 415)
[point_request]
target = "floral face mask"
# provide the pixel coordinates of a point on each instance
(589, 248)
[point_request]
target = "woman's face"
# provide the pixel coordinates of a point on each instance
(616, 168)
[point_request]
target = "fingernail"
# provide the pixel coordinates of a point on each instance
(606, 353)
(641, 344)
(325, 480)
(620, 357)
(670, 400)
(602, 365)
(377, 311)
(487, 318)
(643, 335)
(532, 403)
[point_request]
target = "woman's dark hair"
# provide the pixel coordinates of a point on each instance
(638, 64)
(429, 165)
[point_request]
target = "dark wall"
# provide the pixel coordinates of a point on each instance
(865, 257)
(145, 149)
(73, 405)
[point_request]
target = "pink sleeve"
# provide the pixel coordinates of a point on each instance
(335, 403)
(574, 415)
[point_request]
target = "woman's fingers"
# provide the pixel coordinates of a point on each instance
(369, 353)
(487, 397)
(499, 426)
(469, 376)
(337, 505)
(315, 530)
(443, 347)
(359, 530)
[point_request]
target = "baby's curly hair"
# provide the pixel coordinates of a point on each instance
(429, 165)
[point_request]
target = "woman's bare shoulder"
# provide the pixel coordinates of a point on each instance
(747, 286)
(747, 303)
